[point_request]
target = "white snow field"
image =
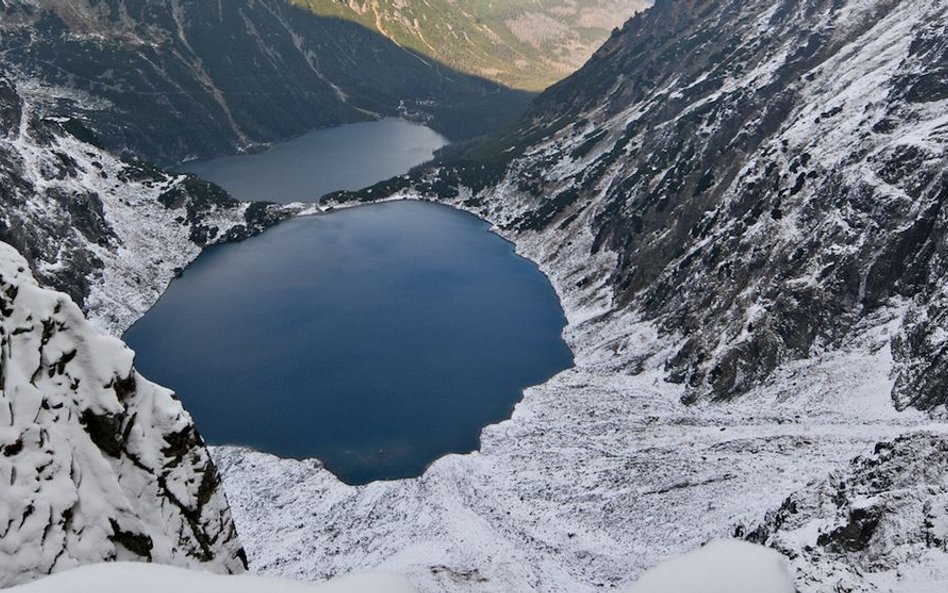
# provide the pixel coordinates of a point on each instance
(725, 566)
(128, 577)
(722, 566)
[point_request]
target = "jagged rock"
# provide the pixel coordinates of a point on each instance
(97, 462)
(880, 524)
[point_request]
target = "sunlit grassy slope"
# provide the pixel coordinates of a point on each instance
(523, 44)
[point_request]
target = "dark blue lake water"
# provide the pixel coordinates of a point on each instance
(376, 339)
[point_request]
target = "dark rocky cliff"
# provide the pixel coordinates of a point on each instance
(109, 232)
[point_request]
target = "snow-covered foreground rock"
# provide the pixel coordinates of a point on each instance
(123, 577)
(723, 566)
(96, 462)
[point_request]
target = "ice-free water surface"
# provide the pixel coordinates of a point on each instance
(376, 338)
(352, 156)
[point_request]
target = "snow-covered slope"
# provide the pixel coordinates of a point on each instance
(121, 577)
(757, 179)
(597, 477)
(96, 462)
(744, 198)
(111, 233)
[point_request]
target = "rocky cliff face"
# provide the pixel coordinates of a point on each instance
(171, 80)
(111, 233)
(97, 463)
(760, 179)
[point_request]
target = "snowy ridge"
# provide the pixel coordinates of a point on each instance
(741, 197)
(111, 233)
(97, 463)
(762, 201)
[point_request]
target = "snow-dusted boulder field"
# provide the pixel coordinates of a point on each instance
(96, 462)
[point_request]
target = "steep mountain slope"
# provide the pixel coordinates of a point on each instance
(97, 463)
(111, 233)
(741, 197)
(172, 80)
(524, 44)
(763, 178)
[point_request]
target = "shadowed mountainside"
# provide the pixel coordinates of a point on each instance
(173, 80)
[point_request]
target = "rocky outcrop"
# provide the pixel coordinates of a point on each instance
(97, 463)
(171, 80)
(110, 232)
(880, 524)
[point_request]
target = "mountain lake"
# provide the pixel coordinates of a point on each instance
(375, 338)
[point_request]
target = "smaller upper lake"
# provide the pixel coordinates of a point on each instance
(306, 168)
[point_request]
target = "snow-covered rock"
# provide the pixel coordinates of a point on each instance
(96, 462)
(123, 577)
(878, 525)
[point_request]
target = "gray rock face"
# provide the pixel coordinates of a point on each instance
(110, 233)
(172, 80)
(880, 524)
(767, 175)
(97, 463)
